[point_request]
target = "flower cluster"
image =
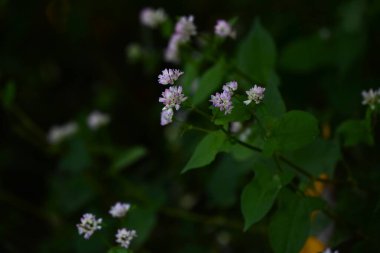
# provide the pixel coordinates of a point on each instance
(224, 29)
(255, 94)
(184, 29)
(119, 209)
(223, 100)
(89, 224)
(60, 133)
(97, 119)
(171, 97)
(371, 98)
(169, 76)
(152, 18)
(124, 237)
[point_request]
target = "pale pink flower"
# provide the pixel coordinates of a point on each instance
(172, 97)
(185, 27)
(223, 29)
(119, 209)
(166, 116)
(230, 86)
(169, 76)
(222, 101)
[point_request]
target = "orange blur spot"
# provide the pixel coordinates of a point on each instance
(313, 245)
(317, 188)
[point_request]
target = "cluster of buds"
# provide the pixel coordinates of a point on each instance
(89, 224)
(371, 98)
(223, 100)
(172, 97)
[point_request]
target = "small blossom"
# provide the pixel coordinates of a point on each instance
(172, 50)
(119, 210)
(255, 94)
(328, 250)
(88, 225)
(186, 28)
(172, 97)
(152, 18)
(236, 127)
(222, 101)
(97, 119)
(59, 133)
(223, 29)
(230, 86)
(166, 116)
(169, 76)
(124, 237)
(371, 98)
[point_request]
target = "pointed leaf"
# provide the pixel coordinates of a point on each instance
(206, 150)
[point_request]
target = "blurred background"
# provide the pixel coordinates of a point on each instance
(60, 60)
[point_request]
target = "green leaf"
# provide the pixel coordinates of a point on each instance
(127, 158)
(354, 132)
(206, 150)
(77, 158)
(210, 82)
(294, 130)
(190, 75)
(259, 195)
(143, 221)
(224, 182)
(118, 250)
(257, 54)
(239, 113)
(298, 57)
(309, 157)
(290, 226)
(9, 93)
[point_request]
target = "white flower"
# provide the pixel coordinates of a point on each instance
(119, 209)
(152, 18)
(172, 97)
(59, 133)
(223, 29)
(88, 225)
(124, 237)
(97, 119)
(371, 98)
(328, 250)
(185, 27)
(255, 94)
(169, 76)
(166, 116)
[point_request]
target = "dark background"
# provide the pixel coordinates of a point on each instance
(67, 58)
